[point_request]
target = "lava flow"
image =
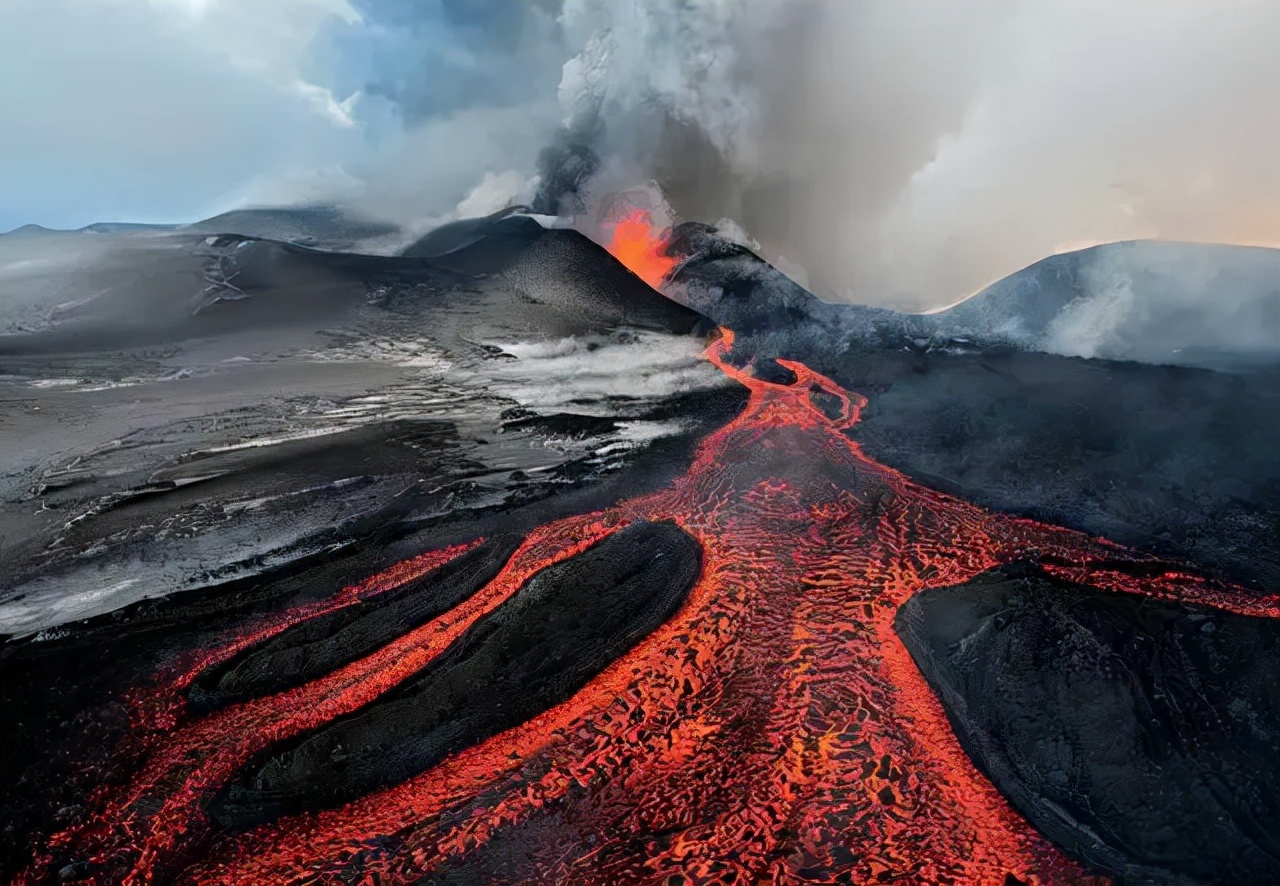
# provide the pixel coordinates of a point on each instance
(634, 242)
(775, 729)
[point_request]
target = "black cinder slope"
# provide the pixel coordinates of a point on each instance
(319, 645)
(1143, 736)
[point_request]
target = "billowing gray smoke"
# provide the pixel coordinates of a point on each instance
(907, 154)
(882, 151)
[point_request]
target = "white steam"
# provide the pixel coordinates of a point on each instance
(894, 153)
(912, 153)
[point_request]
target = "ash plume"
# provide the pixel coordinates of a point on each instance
(888, 153)
(910, 154)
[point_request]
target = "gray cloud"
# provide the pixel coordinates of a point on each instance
(901, 153)
(911, 153)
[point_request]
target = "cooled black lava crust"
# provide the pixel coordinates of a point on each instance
(1140, 735)
(532, 652)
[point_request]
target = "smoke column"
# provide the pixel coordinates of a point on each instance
(889, 153)
(911, 154)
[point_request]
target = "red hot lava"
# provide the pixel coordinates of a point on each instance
(774, 730)
(638, 244)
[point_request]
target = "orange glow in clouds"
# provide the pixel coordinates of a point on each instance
(638, 244)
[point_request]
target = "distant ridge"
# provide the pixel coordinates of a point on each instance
(326, 227)
(1212, 306)
(30, 231)
(124, 228)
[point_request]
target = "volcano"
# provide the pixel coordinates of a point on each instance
(486, 562)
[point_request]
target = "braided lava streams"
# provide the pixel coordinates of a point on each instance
(774, 729)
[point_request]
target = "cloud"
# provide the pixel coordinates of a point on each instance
(913, 153)
(899, 153)
(124, 109)
(1083, 123)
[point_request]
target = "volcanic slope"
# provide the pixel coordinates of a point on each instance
(764, 718)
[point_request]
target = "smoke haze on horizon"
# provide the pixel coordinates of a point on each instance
(901, 154)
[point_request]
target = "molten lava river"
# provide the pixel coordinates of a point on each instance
(768, 726)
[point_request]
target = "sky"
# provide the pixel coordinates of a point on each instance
(887, 152)
(129, 110)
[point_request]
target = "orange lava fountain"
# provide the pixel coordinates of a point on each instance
(775, 730)
(637, 243)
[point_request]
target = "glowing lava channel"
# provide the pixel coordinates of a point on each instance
(774, 730)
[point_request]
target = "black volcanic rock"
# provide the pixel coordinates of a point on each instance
(1175, 461)
(770, 312)
(506, 226)
(610, 293)
(314, 647)
(530, 653)
(560, 269)
(1142, 736)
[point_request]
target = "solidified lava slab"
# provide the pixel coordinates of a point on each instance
(315, 646)
(773, 729)
(530, 653)
(1139, 732)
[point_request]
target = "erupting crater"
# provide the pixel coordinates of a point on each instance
(634, 241)
(770, 726)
